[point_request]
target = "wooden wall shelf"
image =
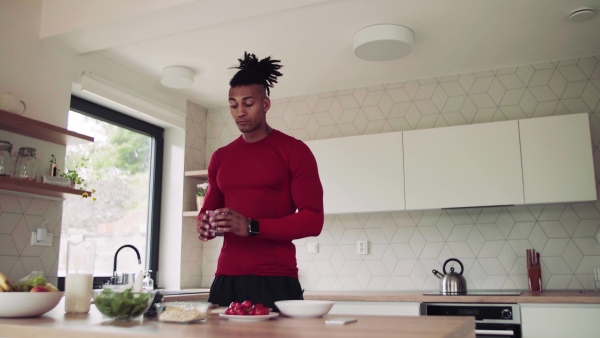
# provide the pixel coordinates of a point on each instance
(197, 173)
(37, 188)
(46, 132)
(40, 130)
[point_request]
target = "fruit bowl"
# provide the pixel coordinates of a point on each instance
(28, 304)
(123, 304)
(304, 308)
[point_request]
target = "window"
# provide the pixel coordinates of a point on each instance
(123, 168)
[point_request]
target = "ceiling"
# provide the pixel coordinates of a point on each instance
(313, 38)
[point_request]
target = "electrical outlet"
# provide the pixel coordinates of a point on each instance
(45, 242)
(312, 248)
(362, 247)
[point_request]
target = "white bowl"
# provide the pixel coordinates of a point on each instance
(27, 304)
(304, 308)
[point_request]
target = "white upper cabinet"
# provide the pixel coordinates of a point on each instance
(557, 159)
(532, 161)
(463, 166)
(361, 173)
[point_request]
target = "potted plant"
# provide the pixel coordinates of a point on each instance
(73, 175)
(200, 194)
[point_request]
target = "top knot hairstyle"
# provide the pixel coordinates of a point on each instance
(252, 71)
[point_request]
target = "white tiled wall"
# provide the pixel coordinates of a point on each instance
(19, 216)
(406, 246)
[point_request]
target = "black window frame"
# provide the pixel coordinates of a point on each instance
(156, 133)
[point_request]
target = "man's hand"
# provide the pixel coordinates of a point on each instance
(229, 220)
(202, 227)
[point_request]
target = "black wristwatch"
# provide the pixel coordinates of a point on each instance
(252, 225)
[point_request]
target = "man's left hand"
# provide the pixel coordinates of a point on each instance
(229, 220)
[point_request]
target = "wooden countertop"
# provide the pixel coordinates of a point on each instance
(58, 324)
(550, 297)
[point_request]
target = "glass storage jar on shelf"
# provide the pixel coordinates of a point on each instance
(26, 164)
(5, 158)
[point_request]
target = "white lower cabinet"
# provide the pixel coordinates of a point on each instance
(560, 320)
(375, 308)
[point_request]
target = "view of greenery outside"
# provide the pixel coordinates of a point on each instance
(117, 167)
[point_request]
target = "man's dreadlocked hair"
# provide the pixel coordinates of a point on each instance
(252, 71)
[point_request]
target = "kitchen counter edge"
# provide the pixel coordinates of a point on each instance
(549, 297)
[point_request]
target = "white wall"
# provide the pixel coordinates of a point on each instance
(43, 75)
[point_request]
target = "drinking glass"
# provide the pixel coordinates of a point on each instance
(79, 281)
(597, 279)
(213, 232)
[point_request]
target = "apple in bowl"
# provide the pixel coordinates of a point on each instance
(38, 288)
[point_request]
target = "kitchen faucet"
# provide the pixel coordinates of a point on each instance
(114, 279)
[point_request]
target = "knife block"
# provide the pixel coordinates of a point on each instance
(534, 276)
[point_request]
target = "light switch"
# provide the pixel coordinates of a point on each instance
(312, 248)
(44, 242)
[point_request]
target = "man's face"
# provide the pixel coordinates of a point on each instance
(249, 106)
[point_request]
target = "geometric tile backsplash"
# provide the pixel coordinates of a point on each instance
(19, 216)
(406, 245)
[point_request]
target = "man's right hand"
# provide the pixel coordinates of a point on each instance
(202, 227)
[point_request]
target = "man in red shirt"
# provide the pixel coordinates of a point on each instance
(265, 190)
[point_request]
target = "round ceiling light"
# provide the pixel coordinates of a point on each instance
(383, 42)
(177, 77)
(581, 14)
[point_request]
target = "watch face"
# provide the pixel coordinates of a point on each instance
(252, 226)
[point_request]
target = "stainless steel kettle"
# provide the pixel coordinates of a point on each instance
(452, 283)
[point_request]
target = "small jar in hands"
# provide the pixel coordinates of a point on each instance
(213, 230)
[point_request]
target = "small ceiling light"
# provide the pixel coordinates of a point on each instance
(177, 77)
(383, 42)
(581, 14)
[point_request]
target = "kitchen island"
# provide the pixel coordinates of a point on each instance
(58, 324)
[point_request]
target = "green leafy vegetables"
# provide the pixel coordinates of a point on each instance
(29, 284)
(122, 304)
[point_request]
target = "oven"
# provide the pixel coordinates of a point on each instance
(491, 320)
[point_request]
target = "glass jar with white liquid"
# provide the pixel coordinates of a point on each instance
(79, 281)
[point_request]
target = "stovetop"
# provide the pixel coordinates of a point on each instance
(478, 293)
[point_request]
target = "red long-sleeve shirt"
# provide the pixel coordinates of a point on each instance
(275, 181)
